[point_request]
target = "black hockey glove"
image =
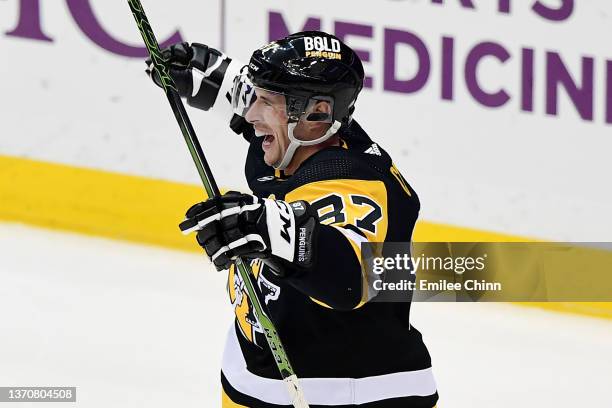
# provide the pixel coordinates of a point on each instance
(198, 71)
(282, 234)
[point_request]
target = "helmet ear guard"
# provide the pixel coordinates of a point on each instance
(296, 106)
(312, 116)
(307, 115)
(318, 117)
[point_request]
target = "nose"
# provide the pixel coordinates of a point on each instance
(253, 115)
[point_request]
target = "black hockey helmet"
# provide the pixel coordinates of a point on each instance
(309, 66)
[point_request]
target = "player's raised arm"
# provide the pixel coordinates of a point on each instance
(204, 77)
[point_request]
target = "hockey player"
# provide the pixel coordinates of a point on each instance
(320, 189)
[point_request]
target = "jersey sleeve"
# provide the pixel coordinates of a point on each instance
(351, 212)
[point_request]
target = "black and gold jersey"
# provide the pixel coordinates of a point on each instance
(347, 350)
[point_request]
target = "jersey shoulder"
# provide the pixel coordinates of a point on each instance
(359, 158)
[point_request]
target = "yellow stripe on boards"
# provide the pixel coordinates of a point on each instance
(146, 210)
(592, 309)
(434, 232)
(96, 202)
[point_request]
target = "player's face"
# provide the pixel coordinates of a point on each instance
(269, 117)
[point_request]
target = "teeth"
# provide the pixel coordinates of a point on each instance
(259, 133)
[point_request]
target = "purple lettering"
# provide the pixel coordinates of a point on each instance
(565, 10)
(86, 20)
(343, 30)
(448, 62)
(391, 83)
(527, 75)
(504, 6)
(492, 100)
(609, 92)
(277, 28)
(29, 25)
(464, 3)
(581, 96)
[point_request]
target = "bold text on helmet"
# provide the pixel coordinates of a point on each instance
(321, 44)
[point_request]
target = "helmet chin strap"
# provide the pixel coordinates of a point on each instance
(294, 143)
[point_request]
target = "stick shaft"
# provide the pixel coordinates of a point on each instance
(174, 99)
(272, 337)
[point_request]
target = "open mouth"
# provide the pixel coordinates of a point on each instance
(267, 141)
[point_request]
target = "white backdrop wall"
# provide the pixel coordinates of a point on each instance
(499, 113)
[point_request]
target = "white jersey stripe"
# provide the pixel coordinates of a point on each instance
(323, 391)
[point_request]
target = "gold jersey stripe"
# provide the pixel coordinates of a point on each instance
(226, 402)
(352, 211)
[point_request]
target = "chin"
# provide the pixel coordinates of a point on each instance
(269, 162)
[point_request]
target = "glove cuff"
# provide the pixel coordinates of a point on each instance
(212, 86)
(291, 230)
(280, 226)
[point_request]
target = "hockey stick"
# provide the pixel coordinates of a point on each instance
(278, 351)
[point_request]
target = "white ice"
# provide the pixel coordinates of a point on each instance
(140, 326)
